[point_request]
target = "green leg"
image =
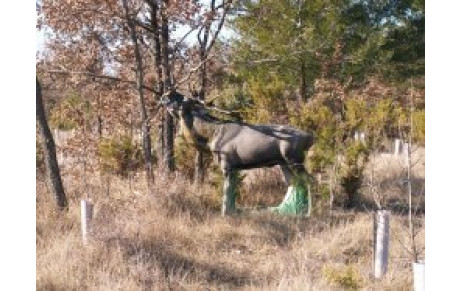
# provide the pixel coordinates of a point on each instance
(297, 199)
(228, 203)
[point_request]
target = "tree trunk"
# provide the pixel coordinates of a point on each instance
(159, 86)
(199, 171)
(156, 48)
(145, 127)
(303, 82)
(169, 143)
(167, 85)
(49, 150)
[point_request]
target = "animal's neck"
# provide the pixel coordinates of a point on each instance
(198, 130)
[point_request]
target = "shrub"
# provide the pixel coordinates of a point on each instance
(419, 126)
(355, 114)
(216, 179)
(69, 113)
(268, 98)
(346, 277)
(119, 155)
(402, 117)
(323, 123)
(334, 139)
(185, 157)
(351, 170)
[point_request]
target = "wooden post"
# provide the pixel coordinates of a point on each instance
(362, 137)
(86, 217)
(405, 152)
(419, 275)
(397, 147)
(310, 203)
(56, 136)
(381, 242)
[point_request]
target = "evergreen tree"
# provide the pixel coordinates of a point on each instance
(287, 39)
(301, 41)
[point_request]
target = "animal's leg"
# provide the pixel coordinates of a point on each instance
(287, 173)
(294, 168)
(305, 179)
(288, 179)
(294, 160)
(294, 174)
(299, 171)
(228, 202)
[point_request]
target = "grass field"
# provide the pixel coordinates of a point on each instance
(177, 239)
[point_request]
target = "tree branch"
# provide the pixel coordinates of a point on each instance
(143, 25)
(226, 7)
(176, 47)
(89, 74)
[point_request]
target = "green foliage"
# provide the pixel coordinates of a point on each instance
(324, 124)
(419, 126)
(406, 43)
(232, 97)
(334, 140)
(281, 38)
(345, 40)
(216, 179)
(355, 113)
(267, 98)
(120, 155)
(69, 113)
(351, 171)
(375, 117)
(346, 277)
(381, 118)
(402, 119)
(185, 157)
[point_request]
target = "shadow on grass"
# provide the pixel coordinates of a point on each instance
(174, 265)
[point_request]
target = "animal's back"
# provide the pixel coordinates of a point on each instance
(286, 133)
(261, 145)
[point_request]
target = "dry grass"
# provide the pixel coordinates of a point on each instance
(385, 177)
(177, 240)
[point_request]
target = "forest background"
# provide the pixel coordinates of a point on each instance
(448, 80)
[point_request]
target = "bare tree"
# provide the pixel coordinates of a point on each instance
(49, 149)
(207, 39)
(146, 141)
(99, 42)
(410, 164)
(168, 124)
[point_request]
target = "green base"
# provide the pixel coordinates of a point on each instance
(296, 202)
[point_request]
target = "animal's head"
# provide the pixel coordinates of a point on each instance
(178, 103)
(180, 106)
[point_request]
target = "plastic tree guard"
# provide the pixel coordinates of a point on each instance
(296, 202)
